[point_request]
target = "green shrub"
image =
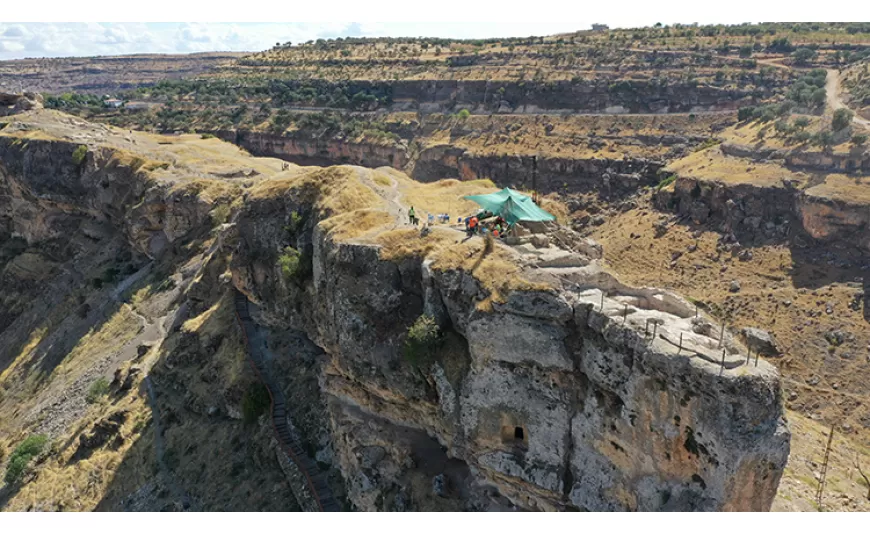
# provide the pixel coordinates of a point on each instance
(220, 214)
(255, 402)
(206, 136)
(290, 263)
(746, 113)
(99, 389)
(666, 181)
(110, 275)
(802, 56)
(421, 340)
(463, 114)
(823, 139)
(801, 123)
(294, 223)
(859, 139)
(78, 155)
(802, 136)
(22, 456)
(842, 119)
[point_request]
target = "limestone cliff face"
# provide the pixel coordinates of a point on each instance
(45, 194)
(555, 174)
(549, 397)
(773, 210)
(311, 151)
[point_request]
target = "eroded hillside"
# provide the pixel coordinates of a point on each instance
(550, 384)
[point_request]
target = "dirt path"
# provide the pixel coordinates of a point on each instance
(834, 99)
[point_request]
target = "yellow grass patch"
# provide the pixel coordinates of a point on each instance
(443, 196)
(356, 223)
(25, 353)
(62, 484)
(335, 190)
(851, 189)
(117, 330)
(712, 165)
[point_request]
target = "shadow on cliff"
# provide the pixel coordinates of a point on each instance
(814, 265)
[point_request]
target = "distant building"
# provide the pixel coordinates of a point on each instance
(600, 27)
(113, 103)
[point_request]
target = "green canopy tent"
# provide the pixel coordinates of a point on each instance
(512, 206)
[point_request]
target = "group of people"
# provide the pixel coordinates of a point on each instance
(475, 224)
(496, 227)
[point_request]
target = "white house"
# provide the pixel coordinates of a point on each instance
(113, 103)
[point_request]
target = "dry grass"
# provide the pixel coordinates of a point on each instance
(556, 207)
(334, 190)
(356, 223)
(844, 488)
(712, 165)
(117, 330)
(63, 484)
(25, 353)
(842, 188)
(444, 196)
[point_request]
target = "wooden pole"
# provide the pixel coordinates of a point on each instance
(824, 474)
(624, 313)
(601, 308)
(721, 335)
(722, 366)
(680, 349)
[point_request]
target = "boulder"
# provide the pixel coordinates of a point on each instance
(761, 341)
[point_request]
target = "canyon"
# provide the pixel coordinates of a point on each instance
(554, 385)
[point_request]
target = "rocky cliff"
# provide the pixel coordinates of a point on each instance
(575, 392)
(551, 385)
(556, 174)
(815, 195)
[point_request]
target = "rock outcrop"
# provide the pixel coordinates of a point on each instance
(11, 103)
(586, 395)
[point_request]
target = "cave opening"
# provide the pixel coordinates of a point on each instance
(519, 433)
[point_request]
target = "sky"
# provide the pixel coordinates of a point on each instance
(19, 40)
(502, 18)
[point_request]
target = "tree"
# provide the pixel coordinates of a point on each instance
(745, 51)
(842, 119)
(823, 139)
(745, 113)
(801, 122)
(421, 340)
(804, 55)
(859, 139)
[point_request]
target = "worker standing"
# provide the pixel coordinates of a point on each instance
(412, 217)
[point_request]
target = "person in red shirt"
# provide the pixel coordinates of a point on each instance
(472, 226)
